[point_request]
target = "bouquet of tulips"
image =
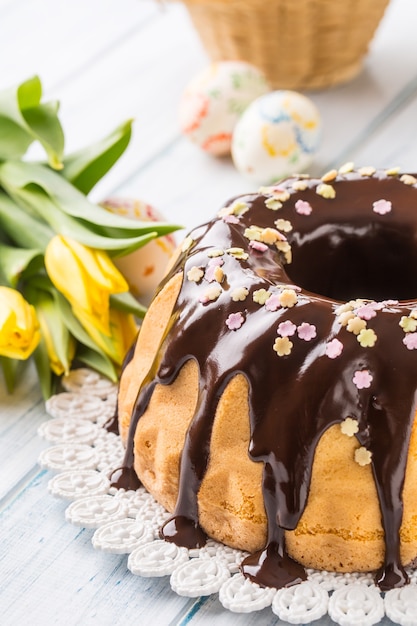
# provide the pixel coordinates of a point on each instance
(61, 297)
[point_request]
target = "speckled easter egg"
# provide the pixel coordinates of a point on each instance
(214, 101)
(276, 136)
(144, 268)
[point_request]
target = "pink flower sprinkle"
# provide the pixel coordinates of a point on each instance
(230, 219)
(382, 207)
(287, 329)
(258, 245)
(306, 331)
(273, 303)
(366, 312)
(362, 379)
(235, 321)
(410, 341)
(211, 268)
(303, 208)
(334, 348)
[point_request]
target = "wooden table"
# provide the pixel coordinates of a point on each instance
(108, 61)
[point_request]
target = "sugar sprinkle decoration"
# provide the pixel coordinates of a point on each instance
(286, 329)
(288, 298)
(349, 426)
(306, 331)
(367, 338)
(382, 207)
(367, 170)
(334, 348)
(363, 456)
(362, 379)
(235, 321)
(347, 167)
(211, 294)
(284, 225)
(195, 274)
(187, 243)
(410, 341)
(260, 296)
(303, 207)
(329, 176)
(326, 191)
(366, 312)
(282, 346)
(273, 303)
(239, 294)
(408, 324)
(407, 179)
(258, 246)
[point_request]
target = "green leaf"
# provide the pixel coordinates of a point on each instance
(127, 303)
(24, 119)
(10, 368)
(24, 229)
(15, 261)
(97, 361)
(17, 177)
(87, 166)
(45, 374)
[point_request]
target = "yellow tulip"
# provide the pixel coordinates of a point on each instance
(60, 345)
(19, 326)
(86, 277)
(123, 333)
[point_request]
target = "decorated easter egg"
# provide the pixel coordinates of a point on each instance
(276, 136)
(144, 268)
(214, 101)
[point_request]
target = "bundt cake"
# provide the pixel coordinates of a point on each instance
(269, 401)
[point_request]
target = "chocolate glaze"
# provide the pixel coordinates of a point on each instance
(342, 250)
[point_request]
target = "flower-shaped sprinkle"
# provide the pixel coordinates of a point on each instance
(355, 325)
(273, 204)
(407, 179)
(362, 379)
(345, 317)
(392, 171)
(347, 167)
(230, 219)
(410, 341)
(366, 312)
(235, 321)
(367, 338)
(258, 246)
(238, 207)
(306, 331)
(287, 329)
(279, 193)
(288, 298)
(303, 208)
(273, 303)
(382, 206)
(238, 253)
(253, 233)
(211, 294)
(187, 243)
(300, 185)
(218, 274)
(334, 348)
(408, 324)
(349, 426)
(270, 236)
(212, 267)
(195, 274)
(363, 456)
(239, 294)
(282, 346)
(260, 296)
(329, 176)
(368, 170)
(283, 225)
(215, 253)
(326, 191)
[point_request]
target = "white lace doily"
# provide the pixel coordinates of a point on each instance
(127, 522)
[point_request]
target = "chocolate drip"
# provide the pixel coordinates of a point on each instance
(337, 251)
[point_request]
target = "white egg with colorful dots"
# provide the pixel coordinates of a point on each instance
(214, 101)
(277, 136)
(144, 268)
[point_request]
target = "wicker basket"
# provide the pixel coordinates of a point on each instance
(299, 44)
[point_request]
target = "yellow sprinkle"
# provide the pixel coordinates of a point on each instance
(347, 167)
(273, 204)
(368, 170)
(407, 179)
(282, 346)
(349, 427)
(355, 325)
(213, 293)
(218, 274)
(288, 298)
(326, 191)
(239, 294)
(363, 456)
(253, 233)
(284, 225)
(392, 171)
(238, 253)
(408, 324)
(195, 274)
(345, 317)
(270, 236)
(300, 185)
(214, 253)
(329, 176)
(260, 296)
(343, 308)
(367, 338)
(187, 243)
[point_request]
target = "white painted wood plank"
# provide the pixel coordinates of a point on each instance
(52, 575)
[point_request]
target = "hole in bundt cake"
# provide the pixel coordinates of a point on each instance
(347, 261)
